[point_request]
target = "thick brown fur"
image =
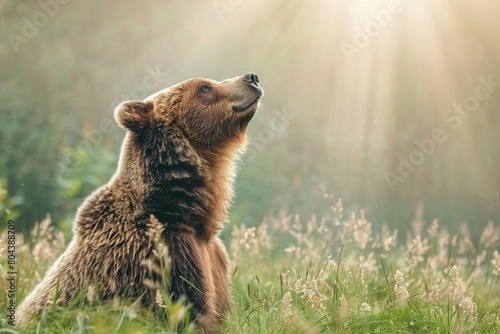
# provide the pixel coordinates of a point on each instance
(178, 164)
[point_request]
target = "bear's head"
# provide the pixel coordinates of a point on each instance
(211, 114)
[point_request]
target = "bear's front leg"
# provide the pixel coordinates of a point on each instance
(192, 277)
(58, 285)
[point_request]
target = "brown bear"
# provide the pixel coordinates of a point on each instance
(177, 164)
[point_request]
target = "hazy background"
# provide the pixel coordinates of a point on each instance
(332, 121)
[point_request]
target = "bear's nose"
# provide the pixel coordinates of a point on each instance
(251, 78)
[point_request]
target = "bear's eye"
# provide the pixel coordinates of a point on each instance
(205, 88)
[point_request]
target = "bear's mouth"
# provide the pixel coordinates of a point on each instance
(247, 105)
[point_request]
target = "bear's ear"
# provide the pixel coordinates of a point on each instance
(134, 115)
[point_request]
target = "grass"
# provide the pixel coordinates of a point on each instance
(316, 276)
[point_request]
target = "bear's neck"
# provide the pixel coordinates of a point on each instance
(183, 188)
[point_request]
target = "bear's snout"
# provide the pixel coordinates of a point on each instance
(248, 92)
(251, 78)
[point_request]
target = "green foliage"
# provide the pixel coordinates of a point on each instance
(8, 205)
(106, 319)
(79, 172)
(295, 277)
(28, 151)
